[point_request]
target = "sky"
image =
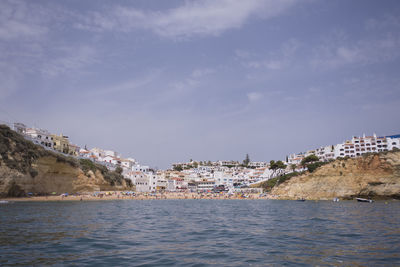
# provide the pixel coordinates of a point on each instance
(168, 81)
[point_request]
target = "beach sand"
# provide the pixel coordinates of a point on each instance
(119, 195)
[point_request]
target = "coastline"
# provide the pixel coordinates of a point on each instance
(118, 195)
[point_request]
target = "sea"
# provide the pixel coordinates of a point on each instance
(200, 233)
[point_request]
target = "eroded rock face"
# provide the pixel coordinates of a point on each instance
(376, 176)
(26, 167)
(52, 176)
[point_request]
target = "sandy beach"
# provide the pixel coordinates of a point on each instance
(120, 195)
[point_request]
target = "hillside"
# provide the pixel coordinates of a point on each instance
(29, 168)
(373, 176)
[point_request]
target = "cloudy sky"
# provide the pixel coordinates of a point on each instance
(167, 81)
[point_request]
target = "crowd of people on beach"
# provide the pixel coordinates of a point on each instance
(125, 195)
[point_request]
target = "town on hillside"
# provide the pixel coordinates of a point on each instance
(206, 176)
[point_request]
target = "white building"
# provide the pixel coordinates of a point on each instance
(20, 128)
(355, 147)
(110, 159)
(142, 183)
(153, 180)
(393, 142)
(139, 168)
(40, 137)
(205, 185)
(259, 164)
(358, 146)
(325, 153)
(296, 158)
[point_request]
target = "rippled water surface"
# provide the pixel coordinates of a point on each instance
(200, 233)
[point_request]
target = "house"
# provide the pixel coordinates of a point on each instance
(60, 143)
(74, 149)
(142, 183)
(40, 137)
(205, 185)
(20, 127)
(110, 159)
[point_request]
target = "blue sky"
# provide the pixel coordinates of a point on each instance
(167, 81)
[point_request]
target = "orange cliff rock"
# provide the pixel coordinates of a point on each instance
(375, 176)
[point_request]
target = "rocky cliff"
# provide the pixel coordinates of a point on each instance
(373, 176)
(28, 168)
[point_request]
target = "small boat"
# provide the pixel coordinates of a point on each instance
(336, 199)
(301, 199)
(3, 201)
(359, 199)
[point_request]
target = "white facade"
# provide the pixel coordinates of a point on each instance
(40, 137)
(205, 185)
(325, 153)
(295, 158)
(355, 147)
(142, 183)
(393, 143)
(153, 178)
(109, 159)
(259, 164)
(139, 168)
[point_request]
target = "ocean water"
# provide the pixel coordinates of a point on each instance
(200, 233)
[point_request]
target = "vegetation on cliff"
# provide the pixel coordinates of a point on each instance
(311, 162)
(21, 155)
(269, 184)
(373, 175)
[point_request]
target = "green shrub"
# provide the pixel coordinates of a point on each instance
(315, 165)
(128, 182)
(87, 165)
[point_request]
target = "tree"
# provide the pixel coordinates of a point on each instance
(293, 166)
(178, 168)
(308, 159)
(276, 165)
(118, 170)
(246, 161)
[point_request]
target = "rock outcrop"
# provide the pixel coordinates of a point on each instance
(28, 168)
(374, 176)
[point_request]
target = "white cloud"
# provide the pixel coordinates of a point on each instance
(198, 73)
(254, 96)
(193, 18)
(130, 85)
(339, 50)
(383, 23)
(71, 59)
(17, 20)
(276, 61)
(242, 54)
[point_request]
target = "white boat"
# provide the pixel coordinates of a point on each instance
(336, 199)
(359, 199)
(3, 202)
